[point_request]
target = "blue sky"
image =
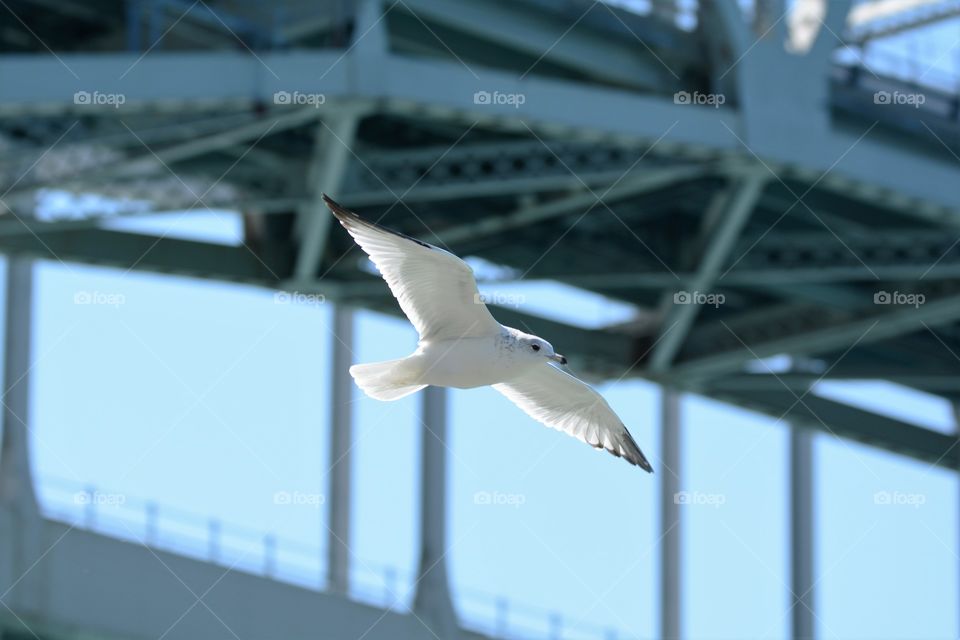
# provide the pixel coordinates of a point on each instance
(211, 398)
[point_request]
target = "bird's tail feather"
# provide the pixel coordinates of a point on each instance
(388, 380)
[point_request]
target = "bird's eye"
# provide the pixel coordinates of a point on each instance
(535, 347)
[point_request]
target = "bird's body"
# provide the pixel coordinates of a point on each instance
(493, 359)
(461, 344)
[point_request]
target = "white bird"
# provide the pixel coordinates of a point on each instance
(462, 346)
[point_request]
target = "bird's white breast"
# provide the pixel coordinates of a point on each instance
(471, 362)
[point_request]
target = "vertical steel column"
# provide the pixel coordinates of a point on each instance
(23, 529)
(331, 157)
(432, 601)
(956, 430)
(801, 534)
(336, 134)
(341, 439)
(16, 484)
(670, 560)
(134, 25)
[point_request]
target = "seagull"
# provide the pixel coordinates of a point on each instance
(462, 345)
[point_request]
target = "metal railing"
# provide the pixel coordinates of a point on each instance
(899, 66)
(242, 548)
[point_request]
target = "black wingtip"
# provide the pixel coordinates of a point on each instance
(336, 208)
(633, 453)
(637, 458)
(350, 218)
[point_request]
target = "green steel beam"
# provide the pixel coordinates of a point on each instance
(849, 422)
(807, 330)
(739, 204)
(153, 160)
(799, 382)
(541, 35)
(149, 253)
(171, 82)
(333, 148)
(580, 202)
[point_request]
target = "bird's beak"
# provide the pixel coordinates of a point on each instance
(559, 358)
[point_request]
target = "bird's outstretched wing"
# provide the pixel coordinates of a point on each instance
(435, 289)
(561, 401)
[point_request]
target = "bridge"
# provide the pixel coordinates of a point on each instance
(678, 154)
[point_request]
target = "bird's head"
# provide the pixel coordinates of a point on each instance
(538, 347)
